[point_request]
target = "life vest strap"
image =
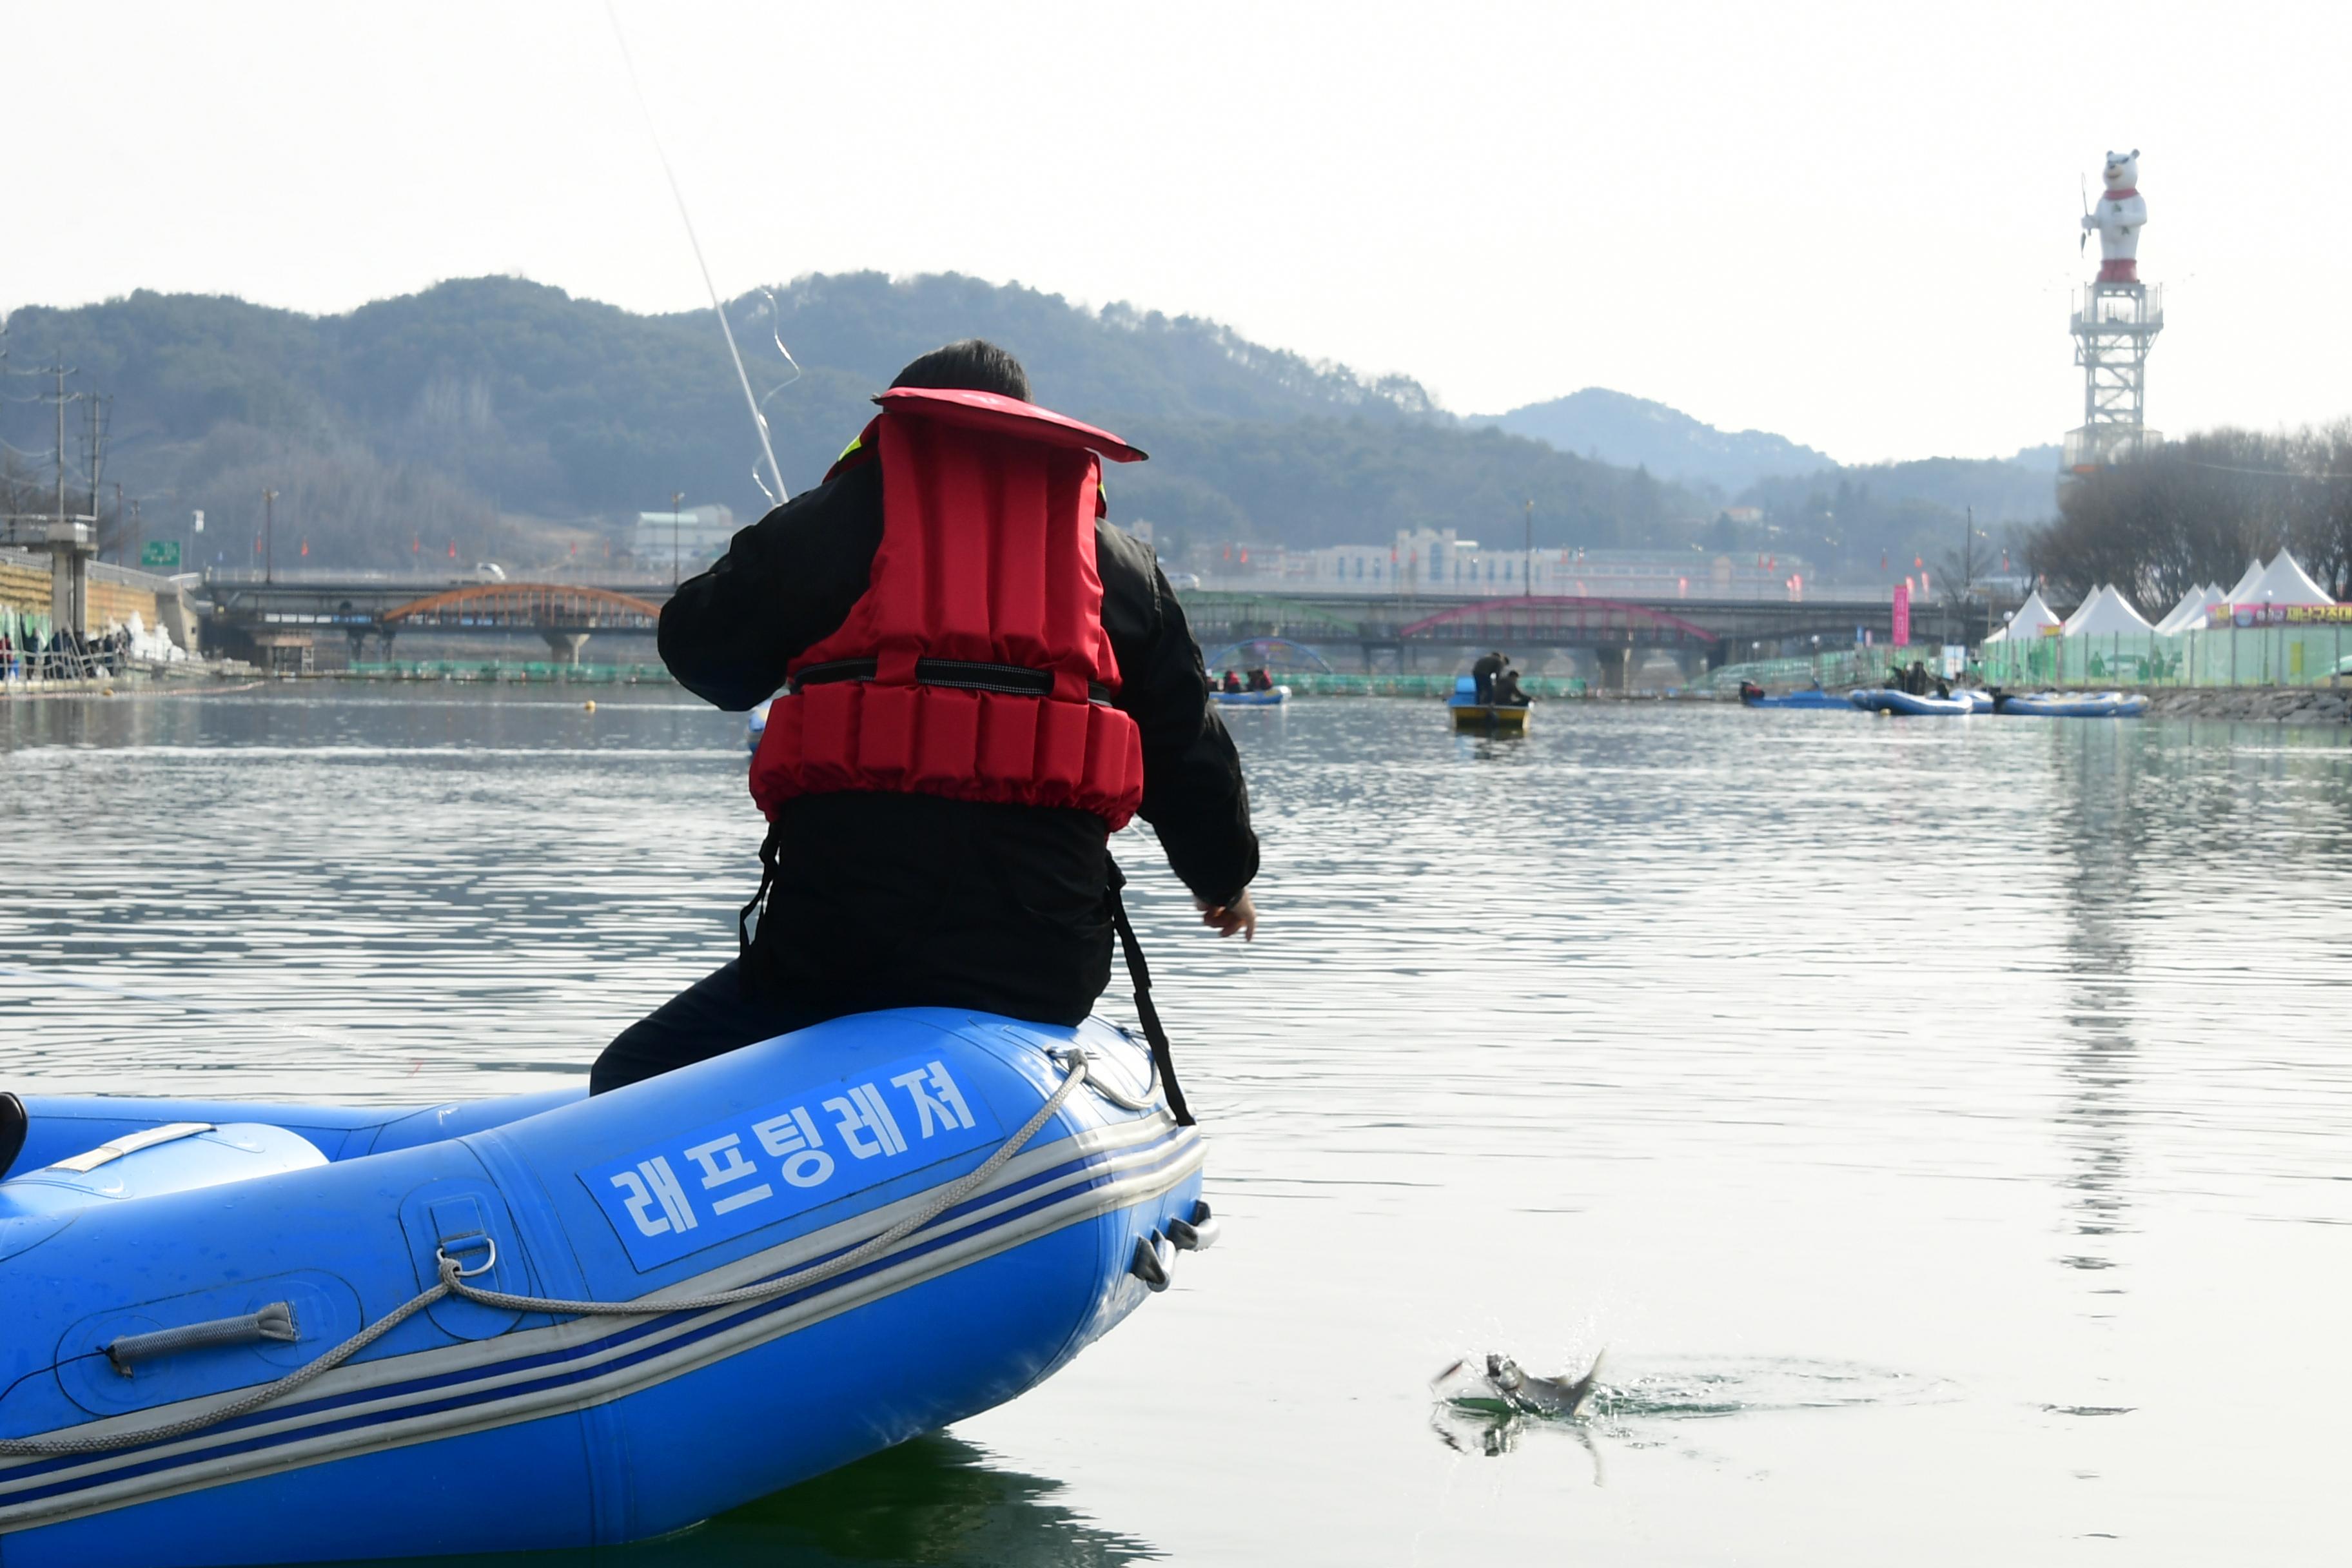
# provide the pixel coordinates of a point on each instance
(1146, 1013)
(748, 919)
(968, 675)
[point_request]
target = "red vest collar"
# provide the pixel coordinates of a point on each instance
(1005, 417)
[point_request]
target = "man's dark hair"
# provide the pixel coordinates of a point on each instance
(975, 364)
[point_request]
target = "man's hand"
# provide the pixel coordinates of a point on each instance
(1241, 915)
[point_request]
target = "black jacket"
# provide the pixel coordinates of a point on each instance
(890, 899)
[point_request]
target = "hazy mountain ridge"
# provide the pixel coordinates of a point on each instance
(1846, 518)
(1628, 431)
(439, 418)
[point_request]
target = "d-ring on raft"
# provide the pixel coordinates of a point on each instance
(247, 1333)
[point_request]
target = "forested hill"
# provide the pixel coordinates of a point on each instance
(463, 413)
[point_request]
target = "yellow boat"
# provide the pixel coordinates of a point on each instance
(1489, 718)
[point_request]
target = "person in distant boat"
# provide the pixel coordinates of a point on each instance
(1484, 672)
(1260, 679)
(941, 774)
(1507, 693)
(1233, 684)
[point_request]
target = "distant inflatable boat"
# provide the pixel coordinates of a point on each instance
(2073, 705)
(1273, 699)
(242, 1333)
(1883, 699)
(1798, 700)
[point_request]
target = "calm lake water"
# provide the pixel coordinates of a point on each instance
(1941, 1124)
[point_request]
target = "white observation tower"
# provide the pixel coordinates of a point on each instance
(2116, 318)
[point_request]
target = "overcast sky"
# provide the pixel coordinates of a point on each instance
(1852, 225)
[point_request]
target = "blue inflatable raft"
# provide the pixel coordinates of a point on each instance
(245, 1334)
(1798, 699)
(1273, 699)
(1884, 699)
(2073, 705)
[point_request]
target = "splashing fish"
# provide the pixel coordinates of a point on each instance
(1522, 1393)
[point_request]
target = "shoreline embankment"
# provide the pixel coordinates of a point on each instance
(2254, 704)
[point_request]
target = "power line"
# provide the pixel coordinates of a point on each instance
(2271, 473)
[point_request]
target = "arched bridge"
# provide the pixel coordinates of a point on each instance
(1274, 652)
(563, 613)
(526, 608)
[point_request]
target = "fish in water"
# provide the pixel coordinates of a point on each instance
(1525, 1393)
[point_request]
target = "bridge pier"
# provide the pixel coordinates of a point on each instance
(566, 645)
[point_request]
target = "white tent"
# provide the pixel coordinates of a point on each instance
(2189, 615)
(2244, 585)
(2030, 618)
(2092, 597)
(2103, 613)
(2284, 584)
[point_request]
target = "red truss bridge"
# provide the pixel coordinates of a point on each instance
(1568, 622)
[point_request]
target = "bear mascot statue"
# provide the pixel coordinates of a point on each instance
(2117, 218)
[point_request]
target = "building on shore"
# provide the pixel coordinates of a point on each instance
(688, 539)
(1441, 562)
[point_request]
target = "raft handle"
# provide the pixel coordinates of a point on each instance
(275, 1321)
(1198, 1234)
(1154, 1262)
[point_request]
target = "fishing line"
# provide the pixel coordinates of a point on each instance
(758, 420)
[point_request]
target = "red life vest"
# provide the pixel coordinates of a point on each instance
(975, 665)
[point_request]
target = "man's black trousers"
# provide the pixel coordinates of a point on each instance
(709, 1018)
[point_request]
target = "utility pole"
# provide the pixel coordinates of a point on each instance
(675, 497)
(61, 368)
(94, 455)
(1527, 565)
(268, 535)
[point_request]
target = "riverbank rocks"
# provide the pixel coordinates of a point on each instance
(2256, 705)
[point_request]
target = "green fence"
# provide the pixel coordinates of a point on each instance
(513, 670)
(1321, 685)
(2237, 656)
(1854, 666)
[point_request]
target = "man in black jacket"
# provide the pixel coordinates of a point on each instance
(889, 900)
(1482, 674)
